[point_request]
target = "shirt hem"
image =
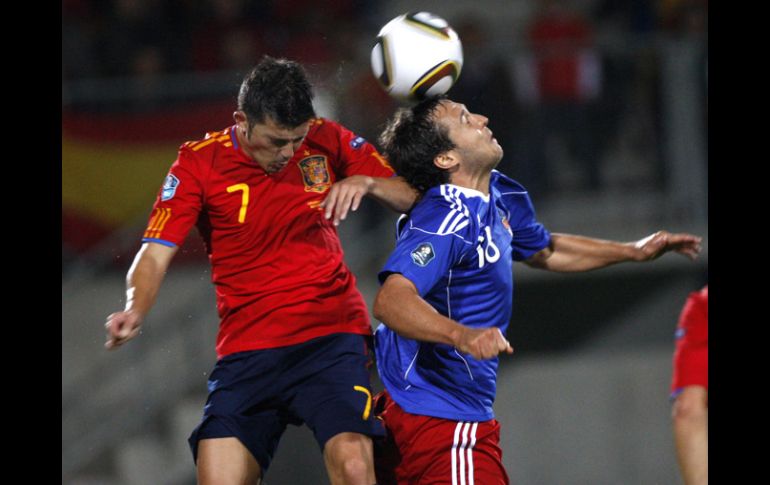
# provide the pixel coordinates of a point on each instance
(423, 411)
(293, 340)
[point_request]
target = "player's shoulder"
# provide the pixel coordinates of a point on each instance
(324, 130)
(210, 141)
(506, 185)
(332, 136)
(701, 296)
(323, 127)
(320, 123)
(323, 133)
(513, 195)
(208, 146)
(200, 156)
(447, 209)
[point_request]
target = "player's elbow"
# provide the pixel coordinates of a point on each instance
(386, 300)
(539, 260)
(396, 295)
(380, 307)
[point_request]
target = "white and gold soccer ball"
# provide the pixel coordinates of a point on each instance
(417, 56)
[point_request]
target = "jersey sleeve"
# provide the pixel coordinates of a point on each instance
(357, 156)
(693, 319)
(426, 250)
(178, 203)
(529, 235)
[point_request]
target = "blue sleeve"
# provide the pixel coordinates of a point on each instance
(529, 235)
(425, 253)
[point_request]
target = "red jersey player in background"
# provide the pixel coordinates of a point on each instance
(689, 388)
(294, 336)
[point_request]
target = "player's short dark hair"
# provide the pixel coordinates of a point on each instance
(279, 89)
(412, 139)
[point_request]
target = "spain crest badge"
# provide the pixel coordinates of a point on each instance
(315, 173)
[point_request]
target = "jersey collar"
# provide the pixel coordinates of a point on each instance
(467, 192)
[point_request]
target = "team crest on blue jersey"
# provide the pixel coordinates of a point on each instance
(315, 173)
(423, 254)
(169, 187)
(504, 220)
(357, 142)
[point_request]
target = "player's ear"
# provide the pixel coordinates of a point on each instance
(240, 119)
(445, 161)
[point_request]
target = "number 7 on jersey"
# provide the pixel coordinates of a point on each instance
(244, 199)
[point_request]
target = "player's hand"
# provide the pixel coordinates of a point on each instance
(345, 196)
(484, 343)
(655, 245)
(122, 327)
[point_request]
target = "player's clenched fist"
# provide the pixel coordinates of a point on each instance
(484, 343)
(122, 327)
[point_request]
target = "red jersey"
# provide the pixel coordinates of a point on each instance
(565, 64)
(692, 336)
(277, 263)
(694, 319)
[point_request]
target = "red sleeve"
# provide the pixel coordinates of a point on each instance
(357, 156)
(178, 203)
(694, 317)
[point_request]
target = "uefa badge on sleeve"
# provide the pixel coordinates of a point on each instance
(357, 142)
(423, 254)
(169, 187)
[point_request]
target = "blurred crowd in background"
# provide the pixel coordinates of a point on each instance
(150, 37)
(569, 89)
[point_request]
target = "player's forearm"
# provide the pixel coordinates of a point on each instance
(142, 286)
(406, 313)
(570, 253)
(394, 192)
(145, 277)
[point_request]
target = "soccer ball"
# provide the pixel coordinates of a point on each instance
(417, 56)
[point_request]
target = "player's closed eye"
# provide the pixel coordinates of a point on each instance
(279, 143)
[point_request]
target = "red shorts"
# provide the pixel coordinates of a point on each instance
(425, 450)
(692, 351)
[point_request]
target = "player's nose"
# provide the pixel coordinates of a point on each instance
(481, 120)
(287, 151)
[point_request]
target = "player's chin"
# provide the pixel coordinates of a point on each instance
(498, 156)
(276, 167)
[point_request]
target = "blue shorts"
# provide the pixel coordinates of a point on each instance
(323, 383)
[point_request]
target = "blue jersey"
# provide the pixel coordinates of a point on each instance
(457, 246)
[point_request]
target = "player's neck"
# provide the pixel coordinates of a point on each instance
(478, 181)
(240, 138)
(244, 146)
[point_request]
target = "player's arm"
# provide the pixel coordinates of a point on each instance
(142, 284)
(399, 306)
(570, 253)
(346, 194)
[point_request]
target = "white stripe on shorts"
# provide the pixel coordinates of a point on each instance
(470, 453)
(461, 450)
